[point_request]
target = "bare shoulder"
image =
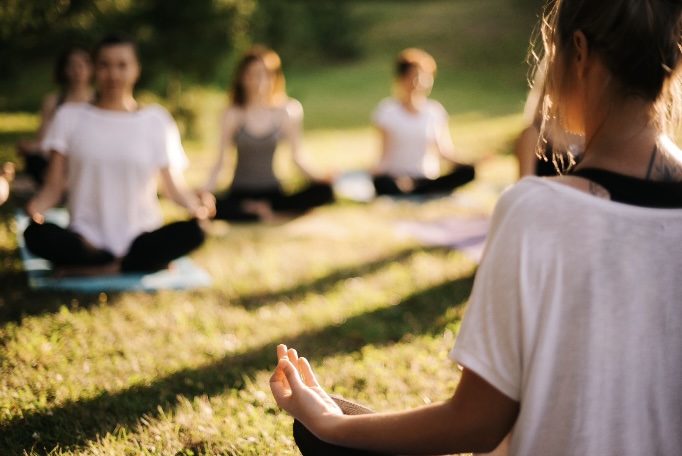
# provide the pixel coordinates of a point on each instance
(293, 109)
(231, 117)
(582, 184)
(49, 104)
(667, 166)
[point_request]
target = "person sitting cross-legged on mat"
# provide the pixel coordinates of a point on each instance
(415, 134)
(259, 116)
(112, 151)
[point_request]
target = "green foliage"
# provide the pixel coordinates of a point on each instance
(187, 38)
(179, 41)
(303, 29)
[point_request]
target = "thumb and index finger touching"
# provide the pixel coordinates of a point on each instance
(292, 373)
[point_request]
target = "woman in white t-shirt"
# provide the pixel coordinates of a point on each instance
(572, 339)
(113, 151)
(415, 134)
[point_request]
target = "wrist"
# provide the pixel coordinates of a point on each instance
(331, 428)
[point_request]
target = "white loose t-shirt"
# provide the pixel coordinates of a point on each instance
(576, 313)
(409, 136)
(113, 159)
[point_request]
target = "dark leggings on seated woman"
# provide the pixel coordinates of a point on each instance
(460, 175)
(150, 251)
(309, 445)
(229, 206)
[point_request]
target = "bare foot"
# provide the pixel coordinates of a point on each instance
(260, 208)
(404, 183)
(4, 189)
(88, 271)
(6, 176)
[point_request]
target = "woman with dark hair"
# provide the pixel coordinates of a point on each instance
(259, 117)
(572, 338)
(72, 74)
(113, 150)
(415, 134)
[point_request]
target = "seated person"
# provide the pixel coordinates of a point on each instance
(259, 116)
(415, 134)
(72, 73)
(113, 151)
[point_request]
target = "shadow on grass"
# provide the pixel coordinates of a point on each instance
(72, 424)
(17, 299)
(324, 284)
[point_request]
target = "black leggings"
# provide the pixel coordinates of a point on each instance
(150, 251)
(460, 175)
(35, 166)
(229, 206)
(309, 445)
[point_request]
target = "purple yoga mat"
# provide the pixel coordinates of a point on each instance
(462, 233)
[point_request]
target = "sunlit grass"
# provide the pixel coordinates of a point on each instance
(186, 373)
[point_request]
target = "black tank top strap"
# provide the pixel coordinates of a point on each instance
(634, 191)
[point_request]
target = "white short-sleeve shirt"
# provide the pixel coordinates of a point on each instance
(113, 159)
(576, 312)
(409, 136)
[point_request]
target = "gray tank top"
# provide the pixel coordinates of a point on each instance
(254, 160)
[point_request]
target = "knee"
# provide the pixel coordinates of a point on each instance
(32, 235)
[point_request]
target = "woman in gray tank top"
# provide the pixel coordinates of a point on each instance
(259, 116)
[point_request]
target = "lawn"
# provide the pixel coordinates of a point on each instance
(186, 373)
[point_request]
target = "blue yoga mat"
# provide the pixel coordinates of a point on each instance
(183, 273)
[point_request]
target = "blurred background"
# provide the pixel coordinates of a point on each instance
(337, 55)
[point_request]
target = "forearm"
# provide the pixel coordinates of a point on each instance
(174, 188)
(53, 190)
(184, 198)
(44, 200)
(433, 429)
(212, 179)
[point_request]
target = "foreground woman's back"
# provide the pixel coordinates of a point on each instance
(582, 326)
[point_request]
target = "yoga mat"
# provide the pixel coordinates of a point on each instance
(183, 273)
(358, 186)
(354, 185)
(462, 233)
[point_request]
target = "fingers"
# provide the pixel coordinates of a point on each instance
(291, 374)
(281, 351)
(307, 372)
(292, 354)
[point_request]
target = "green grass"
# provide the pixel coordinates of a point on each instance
(186, 373)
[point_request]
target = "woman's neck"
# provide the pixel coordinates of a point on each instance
(258, 100)
(620, 137)
(78, 93)
(117, 102)
(413, 101)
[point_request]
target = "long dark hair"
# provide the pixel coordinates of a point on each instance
(273, 65)
(59, 73)
(114, 39)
